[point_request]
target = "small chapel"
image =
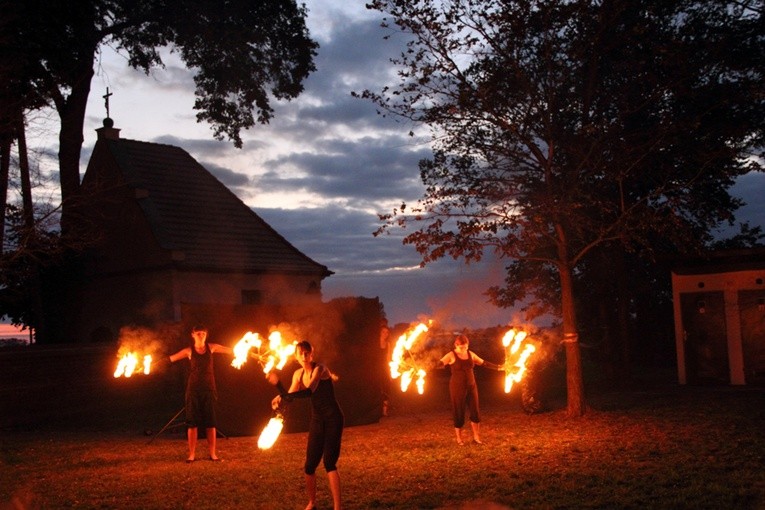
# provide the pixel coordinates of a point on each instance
(166, 236)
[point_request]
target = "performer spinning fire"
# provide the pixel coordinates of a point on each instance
(462, 386)
(326, 427)
(201, 393)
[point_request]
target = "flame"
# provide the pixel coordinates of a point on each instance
(514, 371)
(242, 348)
(128, 364)
(271, 432)
(406, 379)
(279, 353)
(420, 383)
(407, 369)
(274, 357)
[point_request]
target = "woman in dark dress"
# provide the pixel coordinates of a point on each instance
(325, 432)
(462, 386)
(200, 390)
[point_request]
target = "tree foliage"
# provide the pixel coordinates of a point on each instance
(561, 127)
(26, 255)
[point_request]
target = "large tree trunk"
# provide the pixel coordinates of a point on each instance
(71, 111)
(574, 382)
(63, 301)
(26, 179)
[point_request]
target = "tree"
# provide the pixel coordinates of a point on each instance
(33, 254)
(243, 54)
(565, 127)
(15, 95)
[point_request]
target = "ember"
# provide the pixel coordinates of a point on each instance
(407, 368)
(515, 363)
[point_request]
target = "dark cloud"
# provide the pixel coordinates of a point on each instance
(340, 238)
(356, 57)
(382, 267)
(233, 180)
(206, 146)
(357, 54)
(344, 150)
(174, 77)
(751, 189)
(368, 170)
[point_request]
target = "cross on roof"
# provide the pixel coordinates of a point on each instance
(106, 98)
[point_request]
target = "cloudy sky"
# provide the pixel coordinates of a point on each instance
(323, 169)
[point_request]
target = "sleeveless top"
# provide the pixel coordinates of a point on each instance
(323, 401)
(201, 377)
(462, 370)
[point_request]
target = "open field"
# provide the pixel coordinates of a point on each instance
(659, 447)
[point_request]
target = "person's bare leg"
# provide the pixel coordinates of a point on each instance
(310, 490)
(476, 432)
(334, 488)
(191, 434)
(212, 439)
(458, 432)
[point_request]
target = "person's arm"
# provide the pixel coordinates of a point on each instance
(488, 364)
(223, 349)
(294, 391)
(313, 383)
(294, 385)
(446, 360)
(183, 353)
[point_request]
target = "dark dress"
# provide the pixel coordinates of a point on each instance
(463, 390)
(325, 430)
(200, 390)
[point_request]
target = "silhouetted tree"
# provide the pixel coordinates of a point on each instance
(30, 254)
(563, 127)
(17, 94)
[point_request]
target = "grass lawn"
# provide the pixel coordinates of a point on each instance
(662, 447)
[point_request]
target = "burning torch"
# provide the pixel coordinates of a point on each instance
(515, 357)
(273, 429)
(134, 363)
(274, 357)
(403, 364)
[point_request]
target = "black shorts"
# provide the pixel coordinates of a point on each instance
(200, 409)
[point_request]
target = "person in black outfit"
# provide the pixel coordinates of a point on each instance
(200, 390)
(325, 432)
(462, 386)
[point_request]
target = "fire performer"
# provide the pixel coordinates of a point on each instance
(462, 386)
(315, 381)
(201, 392)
